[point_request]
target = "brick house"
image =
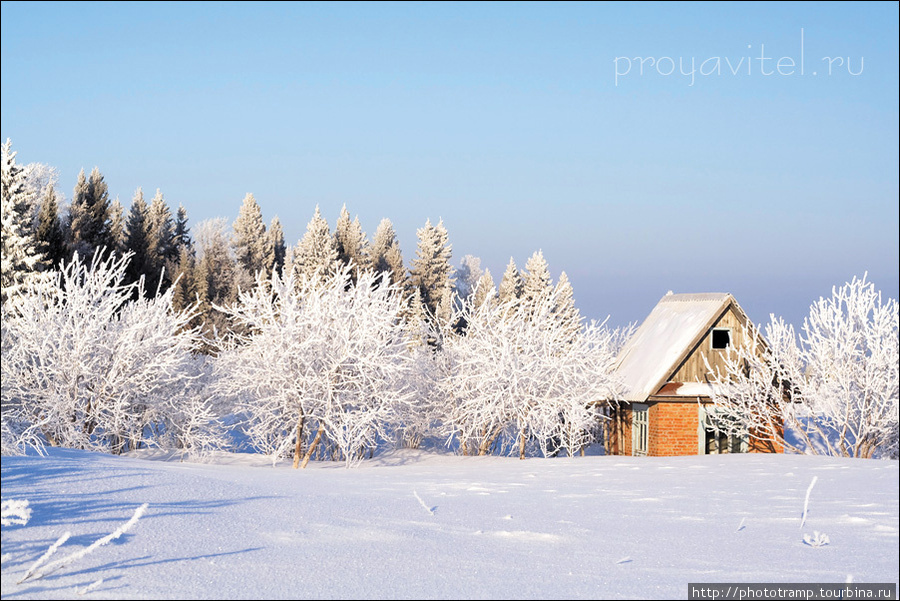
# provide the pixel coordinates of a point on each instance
(666, 409)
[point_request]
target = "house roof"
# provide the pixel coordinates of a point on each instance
(671, 331)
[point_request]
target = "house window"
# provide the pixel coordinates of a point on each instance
(640, 429)
(721, 338)
(714, 440)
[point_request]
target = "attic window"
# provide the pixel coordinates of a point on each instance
(721, 338)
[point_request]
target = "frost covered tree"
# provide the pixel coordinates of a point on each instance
(510, 290)
(161, 247)
(833, 390)
(321, 362)
(515, 382)
(20, 255)
(485, 290)
(431, 269)
(536, 284)
(385, 254)
(316, 252)
(215, 272)
(117, 225)
(182, 235)
(39, 178)
(467, 275)
(350, 241)
(86, 366)
(565, 310)
(250, 241)
(89, 219)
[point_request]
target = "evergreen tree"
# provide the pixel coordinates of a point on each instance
(185, 293)
(182, 238)
(161, 244)
(214, 274)
(385, 254)
(510, 290)
(50, 239)
(20, 256)
(537, 284)
(250, 239)
(431, 268)
(350, 242)
(565, 310)
(467, 276)
(89, 222)
(276, 250)
(316, 251)
(117, 225)
(137, 238)
(484, 290)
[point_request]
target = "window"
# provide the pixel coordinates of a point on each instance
(713, 440)
(640, 429)
(721, 338)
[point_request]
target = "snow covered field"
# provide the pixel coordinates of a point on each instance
(418, 525)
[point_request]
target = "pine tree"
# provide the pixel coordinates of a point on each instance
(137, 238)
(89, 223)
(185, 293)
(350, 242)
(510, 290)
(537, 284)
(49, 235)
(20, 255)
(316, 251)
(161, 244)
(467, 275)
(275, 248)
(214, 274)
(431, 268)
(250, 239)
(385, 254)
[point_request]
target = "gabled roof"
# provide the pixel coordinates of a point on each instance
(662, 343)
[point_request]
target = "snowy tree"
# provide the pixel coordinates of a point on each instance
(160, 243)
(20, 255)
(49, 235)
(467, 275)
(565, 310)
(182, 237)
(510, 290)
(536, 284)
(431, 269)
(215, 272)
(321, 360)
(834, 392)
(89, 220)
(315, 253)
(512, 380)
(385, 254)
(484, 290)
(350, 241)
(275, 248)
(250, 240)
(184, 293)
(38, 179)
(85, 366)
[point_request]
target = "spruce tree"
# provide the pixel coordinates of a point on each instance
(315, 253)
(565, 311)
(350, 242)
(385, 254)
(117, 225)
(484, 290)
(89, 222)
(275, 248)
(250, 239)
(137, 238)
(431, 268)
(20, 257)
(182, 238)
(537, 283)
(510, 289)
(49, 235)
(161, 247)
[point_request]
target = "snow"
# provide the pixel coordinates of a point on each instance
(650, 354)
(410, 524)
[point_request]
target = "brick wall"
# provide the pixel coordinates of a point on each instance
(673, 428)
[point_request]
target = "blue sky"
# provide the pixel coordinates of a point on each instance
(509, 121)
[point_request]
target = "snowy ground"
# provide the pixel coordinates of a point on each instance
(591, 527)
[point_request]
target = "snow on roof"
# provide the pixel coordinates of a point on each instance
(671, 329)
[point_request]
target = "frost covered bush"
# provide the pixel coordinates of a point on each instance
(517, 377)
(835, 388)
(321, 362)
(87, 366)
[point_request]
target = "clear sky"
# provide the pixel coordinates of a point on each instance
(734, 162)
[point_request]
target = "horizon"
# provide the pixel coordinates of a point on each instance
(753, 166)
